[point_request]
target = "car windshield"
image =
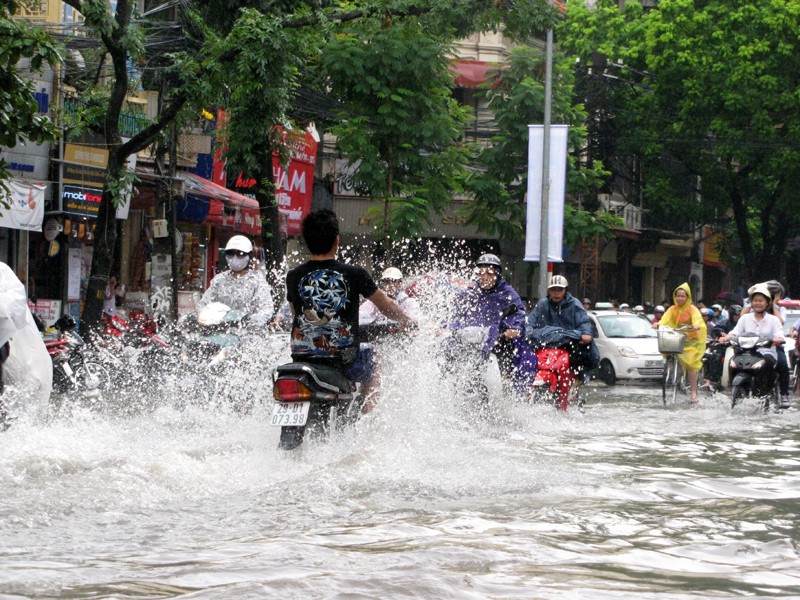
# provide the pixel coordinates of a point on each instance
(625, 326)
(790, 320)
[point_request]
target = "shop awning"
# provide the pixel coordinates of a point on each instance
(204, 201)
(471, 73)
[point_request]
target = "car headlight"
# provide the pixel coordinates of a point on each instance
(627, 352)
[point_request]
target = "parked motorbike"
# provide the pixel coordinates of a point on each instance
(140, 331)
(73, 367)
(751, 374)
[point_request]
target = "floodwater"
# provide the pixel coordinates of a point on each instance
(421, 499)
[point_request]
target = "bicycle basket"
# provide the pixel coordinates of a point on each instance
(671, 341)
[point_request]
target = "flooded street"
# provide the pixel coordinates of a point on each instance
(421, 499)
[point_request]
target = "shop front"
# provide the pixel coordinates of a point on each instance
(207, 216)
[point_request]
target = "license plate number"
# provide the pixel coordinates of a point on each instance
(292, 414)
(654, 363)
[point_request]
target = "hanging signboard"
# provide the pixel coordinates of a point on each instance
(27, 206)
(84, 175)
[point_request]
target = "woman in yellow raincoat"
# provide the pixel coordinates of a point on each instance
(682, 313)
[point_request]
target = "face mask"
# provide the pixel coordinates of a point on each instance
(238, 263)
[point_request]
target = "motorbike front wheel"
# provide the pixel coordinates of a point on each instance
(738, 393)
(92, 377)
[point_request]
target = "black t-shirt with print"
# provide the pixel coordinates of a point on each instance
(325, 295)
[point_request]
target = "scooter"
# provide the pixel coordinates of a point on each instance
(314, 399)
(73, 368)
(751, 374)
(556, 383)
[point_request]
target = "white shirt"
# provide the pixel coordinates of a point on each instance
(769, 326)
(368, 311)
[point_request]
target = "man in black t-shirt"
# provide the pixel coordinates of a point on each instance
(325, 294)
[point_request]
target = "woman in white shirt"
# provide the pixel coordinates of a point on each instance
(759, 321)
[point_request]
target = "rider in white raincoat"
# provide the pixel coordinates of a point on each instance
(241, 288)
(28, 365)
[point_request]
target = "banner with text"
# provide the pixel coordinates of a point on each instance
(557, 178)
(294, 184)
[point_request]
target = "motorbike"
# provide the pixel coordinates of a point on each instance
(556, 382)
(714, 363)
(215, 360)
(140, 331)
(315, 399)
(476, 349)
(73, 367)
(751, 375)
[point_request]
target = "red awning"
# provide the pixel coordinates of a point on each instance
(471, 73)
(226, 208)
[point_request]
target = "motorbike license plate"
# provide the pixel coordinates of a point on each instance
(654, 363)
(292, 414)
(67, 369)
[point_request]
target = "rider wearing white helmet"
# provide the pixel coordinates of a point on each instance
(761, 322)
(241, 288)
(391, 282)
(561, 309)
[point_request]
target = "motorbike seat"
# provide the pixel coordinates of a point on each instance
(324, 373)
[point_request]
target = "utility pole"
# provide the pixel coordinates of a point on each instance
(548, 92)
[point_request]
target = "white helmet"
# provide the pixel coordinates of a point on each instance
(240, 243)
(392, 273)
(760, 288)
(557, 281)
(638, 308)
(660, 309)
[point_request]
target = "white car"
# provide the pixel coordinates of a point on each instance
(628, 346)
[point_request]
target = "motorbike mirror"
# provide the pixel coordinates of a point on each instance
(509, 310)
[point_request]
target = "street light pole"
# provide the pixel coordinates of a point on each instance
(548, 91)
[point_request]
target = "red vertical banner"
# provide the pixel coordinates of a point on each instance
(294, 183)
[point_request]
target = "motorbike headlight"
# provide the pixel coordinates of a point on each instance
(627, 352)
(759, 364)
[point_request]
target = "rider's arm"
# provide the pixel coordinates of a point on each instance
(513, 325)
(264, 305)
(583, 324)
(391, 309)
(534, 320)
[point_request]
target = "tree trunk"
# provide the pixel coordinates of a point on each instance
(103, 256)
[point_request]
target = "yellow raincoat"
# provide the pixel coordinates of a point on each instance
(688, 314)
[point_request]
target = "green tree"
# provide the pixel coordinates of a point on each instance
(249, 64)
(401, 126)
(19, 112)
(515, 95)
(715, 114)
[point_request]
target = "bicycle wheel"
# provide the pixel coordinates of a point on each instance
(667, 378)
(678, 379)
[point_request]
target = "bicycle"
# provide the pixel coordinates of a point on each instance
(671, 343)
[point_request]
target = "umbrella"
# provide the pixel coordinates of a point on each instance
(729, 297)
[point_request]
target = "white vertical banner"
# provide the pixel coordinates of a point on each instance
(558, 181)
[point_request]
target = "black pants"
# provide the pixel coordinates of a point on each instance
(783, 372)
(3, 357)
